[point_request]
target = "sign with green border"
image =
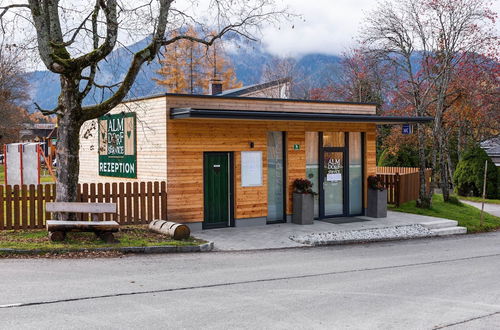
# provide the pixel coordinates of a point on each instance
(117, 145)
(296, 147)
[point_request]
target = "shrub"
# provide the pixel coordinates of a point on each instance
(406, 156)
(469, 174)
(454, 200)
(498, 183)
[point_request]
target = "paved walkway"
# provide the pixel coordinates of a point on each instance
(277, 235)
(493, 209)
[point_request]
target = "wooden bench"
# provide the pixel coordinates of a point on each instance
(104, 229)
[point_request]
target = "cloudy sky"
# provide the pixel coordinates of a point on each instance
(325, 26)
(330, 27)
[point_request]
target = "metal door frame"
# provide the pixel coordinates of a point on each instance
(285, 196)
(345, 175)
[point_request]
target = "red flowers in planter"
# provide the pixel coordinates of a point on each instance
(375, 183)
(302, 186)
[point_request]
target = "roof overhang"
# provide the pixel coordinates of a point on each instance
(185, 113)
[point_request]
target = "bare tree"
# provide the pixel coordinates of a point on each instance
(301, 83)
(12, 94)
(426, 40)
(389, 35)
(454, 29)
(75, 38)
(359, 78)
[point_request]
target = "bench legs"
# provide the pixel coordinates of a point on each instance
(106, 236)
(57, 236)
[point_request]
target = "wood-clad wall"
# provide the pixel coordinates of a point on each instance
(188, 138)
(267, 105)
(151, 143)
(172, 150)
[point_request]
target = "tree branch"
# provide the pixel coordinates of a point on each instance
(95, 40)
(146, 54)
(5, 9)
(109, 43)
(48, 112)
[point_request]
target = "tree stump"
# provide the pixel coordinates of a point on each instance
(57, 236)
(107, 237)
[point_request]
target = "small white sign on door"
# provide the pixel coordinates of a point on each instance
(333, 177)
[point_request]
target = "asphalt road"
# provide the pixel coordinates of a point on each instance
(421, 284)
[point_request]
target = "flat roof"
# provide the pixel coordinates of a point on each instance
(186, 113)
(219, 96)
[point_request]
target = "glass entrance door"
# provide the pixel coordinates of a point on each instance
(333, 183)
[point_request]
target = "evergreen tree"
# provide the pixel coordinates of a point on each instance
(188, 67)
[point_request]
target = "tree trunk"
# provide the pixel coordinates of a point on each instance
(68, 145)
(424, 199)
(460, 143)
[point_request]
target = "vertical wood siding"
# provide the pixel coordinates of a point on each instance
(188, 139)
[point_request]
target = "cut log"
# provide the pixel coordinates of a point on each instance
(57, 236)
(175, 230)
(75, 226)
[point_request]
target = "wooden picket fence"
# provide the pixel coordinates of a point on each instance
(402, 183)
(23, 207)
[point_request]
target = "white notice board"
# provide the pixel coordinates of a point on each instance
(251, 168)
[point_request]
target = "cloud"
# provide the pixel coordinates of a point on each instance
(330, 27)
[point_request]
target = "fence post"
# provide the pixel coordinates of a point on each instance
(397, 189)
(2, 201)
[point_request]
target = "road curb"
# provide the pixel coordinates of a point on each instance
(205, 247)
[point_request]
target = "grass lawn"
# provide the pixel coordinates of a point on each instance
(466, 215)
(479, 200)
(37, 239)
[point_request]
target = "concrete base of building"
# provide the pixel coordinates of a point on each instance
(250, 222)
(194, 226)
(247, 222)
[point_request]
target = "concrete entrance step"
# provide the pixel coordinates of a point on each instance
(439, 224)
(449, 231)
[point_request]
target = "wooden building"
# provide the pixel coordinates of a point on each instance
(231, 160)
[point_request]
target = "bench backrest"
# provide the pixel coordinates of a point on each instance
(74, 207)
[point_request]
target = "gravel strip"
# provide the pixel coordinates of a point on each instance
(364, 235)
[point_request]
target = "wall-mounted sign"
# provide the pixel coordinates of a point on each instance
(296, 147)
(406, 129)
(117, 145)
(251, 168)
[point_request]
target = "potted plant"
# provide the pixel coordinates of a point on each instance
(377, 198)
(303, 202)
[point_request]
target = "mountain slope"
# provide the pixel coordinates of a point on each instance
(249, 63)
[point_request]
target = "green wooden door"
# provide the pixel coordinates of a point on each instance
(217, 189)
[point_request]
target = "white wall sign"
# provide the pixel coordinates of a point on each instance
(251, 168)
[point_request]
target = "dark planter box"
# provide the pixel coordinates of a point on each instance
(377, 203)
(303, 209)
